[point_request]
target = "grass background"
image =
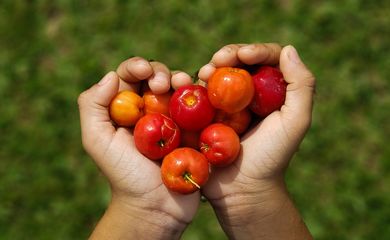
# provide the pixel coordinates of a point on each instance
(50, 51)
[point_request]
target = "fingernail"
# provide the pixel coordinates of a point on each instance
(106, 78)
(225, 50)
(293, 55)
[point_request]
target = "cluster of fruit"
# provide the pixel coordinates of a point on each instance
(196, 126)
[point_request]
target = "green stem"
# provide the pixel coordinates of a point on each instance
(187, 176)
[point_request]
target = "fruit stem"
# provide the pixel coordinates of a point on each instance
(204, 147)
(187, 176)
(195, 77)
(161, 143)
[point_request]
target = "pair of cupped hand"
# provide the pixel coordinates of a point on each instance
(266, 149)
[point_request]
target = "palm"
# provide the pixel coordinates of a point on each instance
(265, 152)
(133, 175)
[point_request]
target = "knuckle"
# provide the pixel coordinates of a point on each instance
(273, 51)
(230, 48)
(82, 99)
(310, 81)
(158, 66)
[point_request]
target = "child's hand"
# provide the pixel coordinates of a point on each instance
(140, 204)
(252, 189)
(136, 71)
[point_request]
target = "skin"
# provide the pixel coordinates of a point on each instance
(138, 205)
(249, 197)
(254, 186)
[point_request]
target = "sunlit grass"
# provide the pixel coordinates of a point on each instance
(50, 51)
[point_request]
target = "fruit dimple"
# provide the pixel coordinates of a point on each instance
(190, 98)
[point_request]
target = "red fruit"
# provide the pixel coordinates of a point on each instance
(156, 103)
(190, 107)
(230, 89)
(239, 121)
(270, 90)
(220, 144)
(184, 170)
(156, 135)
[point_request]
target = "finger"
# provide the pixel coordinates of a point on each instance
(259, 53)
(300, 90)
(160, 81)
(134, 87)
(134, 70)
(206, 71)
(96, 126)
(227, 56)
(180, 79)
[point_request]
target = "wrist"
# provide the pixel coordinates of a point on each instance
(266, 213)
(256, 200)
(128, 219)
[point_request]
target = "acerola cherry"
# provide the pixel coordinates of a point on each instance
(220, 144)
(126, 108)
(239, 121)
(230, 89)
(156, 103)
(184, 170)
(270, 90)
(156, 135)
(190, 108)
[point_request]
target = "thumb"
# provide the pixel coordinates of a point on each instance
(297, 109)
(96, 126)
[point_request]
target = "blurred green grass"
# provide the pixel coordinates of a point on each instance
(50, 51)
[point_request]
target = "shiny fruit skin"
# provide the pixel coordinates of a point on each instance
(156, 135)
(220, 144)
(190, 108)
(126, 108)
(181, 164)
(156, 103)
(270, 90)
(239, 121)
(230, 89)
